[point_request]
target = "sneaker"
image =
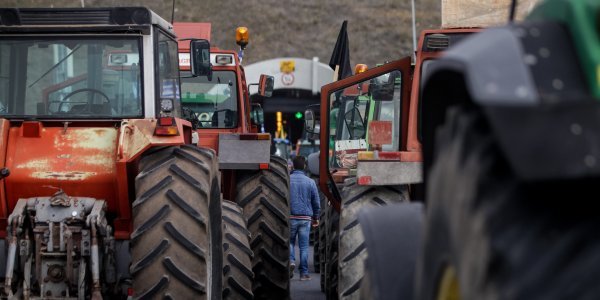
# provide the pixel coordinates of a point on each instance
(304, 277)
(292, 267)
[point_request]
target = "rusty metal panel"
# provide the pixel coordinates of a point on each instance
(389, 172)
(380, 132)
(78, 160)
(137, 135)
(476, 13)
(242, 154)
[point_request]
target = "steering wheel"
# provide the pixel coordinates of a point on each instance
(191, 116)
(89, 103)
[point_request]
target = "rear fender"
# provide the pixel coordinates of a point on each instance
(540, 111)
(137, 135)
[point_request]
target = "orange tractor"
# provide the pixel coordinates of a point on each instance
(370, 155)
(103, 194)
(218, 105)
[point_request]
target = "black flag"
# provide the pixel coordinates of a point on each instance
(341, 54)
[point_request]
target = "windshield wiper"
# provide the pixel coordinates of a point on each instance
(56, 65)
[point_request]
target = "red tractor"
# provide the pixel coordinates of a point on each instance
(218, 105)
(370, 155)
(103, 194)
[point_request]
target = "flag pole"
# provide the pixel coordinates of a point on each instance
(414, 32)
(336, 72)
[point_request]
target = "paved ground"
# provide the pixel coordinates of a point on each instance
(306, 290)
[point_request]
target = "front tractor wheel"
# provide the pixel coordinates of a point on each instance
(489, 235)
(331, 253)
(237, 255)
(264, 197)
(176, 242)
(352, 250)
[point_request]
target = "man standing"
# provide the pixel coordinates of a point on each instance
(305, 207)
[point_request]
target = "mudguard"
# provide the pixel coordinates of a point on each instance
(528, 82)
(392, 239)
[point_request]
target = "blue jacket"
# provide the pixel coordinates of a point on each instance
(304, 196)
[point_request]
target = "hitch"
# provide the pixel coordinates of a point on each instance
(67, 232)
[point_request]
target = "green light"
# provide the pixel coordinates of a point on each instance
(298, 115)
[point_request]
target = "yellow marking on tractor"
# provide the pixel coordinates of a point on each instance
(448, 288)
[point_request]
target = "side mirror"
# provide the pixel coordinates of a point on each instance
(382, 88)
(257, 114)
(310, 122)
(265, 85)
(200, 58)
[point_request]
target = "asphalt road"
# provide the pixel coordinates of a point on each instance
(306, 290)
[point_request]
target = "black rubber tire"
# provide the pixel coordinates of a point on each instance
(506, 239)
(237, 255)
(264, 197)
(352, 251)
(331, 265)
(176, 239)
(322, 245)
(366, 287)
(393, 241)
(316, 254)
(317, 234)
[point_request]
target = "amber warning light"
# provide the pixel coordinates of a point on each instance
(241, 36)
(360, 68)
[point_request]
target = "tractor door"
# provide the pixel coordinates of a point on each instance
(346, 108)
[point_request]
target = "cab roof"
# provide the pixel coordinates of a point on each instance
(81, 20)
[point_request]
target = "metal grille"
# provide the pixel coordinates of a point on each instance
(65, 17)
(438, 42)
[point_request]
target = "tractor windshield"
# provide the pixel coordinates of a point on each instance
(348, 134)
(352, 109)
(212, 101)
(66, 77)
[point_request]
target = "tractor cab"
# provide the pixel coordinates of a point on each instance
(69, 94)
(85, 94)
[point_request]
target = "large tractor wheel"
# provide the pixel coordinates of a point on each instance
(176, 239)
(316, 254)
(352, 252)
(237, 256)
(322, 246)
(264, 197)
(392, 239)
(331, 254)
(489, 236)
(316, 235)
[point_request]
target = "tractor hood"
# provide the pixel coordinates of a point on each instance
(44, 159)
